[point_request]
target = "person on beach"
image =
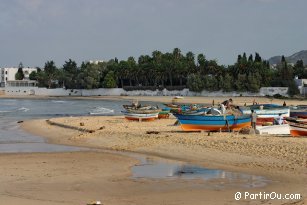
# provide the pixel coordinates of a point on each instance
(223, 109)
(227, 103)
(279, 120)
(254, 119)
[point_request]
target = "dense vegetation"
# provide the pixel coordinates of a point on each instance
(172, 71)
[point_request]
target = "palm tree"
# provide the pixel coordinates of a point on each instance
(131, 69)
(201, 60)
(50, 71)
(158, 68)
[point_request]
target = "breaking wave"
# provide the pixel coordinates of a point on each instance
(23, 109)
(100, 111)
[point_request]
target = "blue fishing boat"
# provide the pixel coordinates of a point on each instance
(213, 122)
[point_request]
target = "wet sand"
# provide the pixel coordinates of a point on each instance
(81, 177)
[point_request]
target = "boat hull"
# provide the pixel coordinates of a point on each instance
(140, 117)
(268, 115)
(213, 123)
(193, 127)
(298, 127)
(274, 129)
(297, 131)
(163, 115)
(265, 120)
(299, 114)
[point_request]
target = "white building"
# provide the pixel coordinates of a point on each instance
(301, 85)
(8, 74)
(96, 62)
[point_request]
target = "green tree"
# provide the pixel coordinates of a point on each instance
(20, 75)
(195, 83)
(210, 83)
(253, 83)
(160, 72)
(241, 83)
(89, 77)
(33, 75)
(176, 67)
(109, 80)
(50, 73)
(201, 61)
(132, 70)
(70, 74)
(227, 83)
(299, 70)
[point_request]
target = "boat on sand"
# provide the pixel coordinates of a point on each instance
(283, 129)
(140, 116)
(213, 122)
(298, 127)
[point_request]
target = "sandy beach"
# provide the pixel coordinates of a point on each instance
(81, 177)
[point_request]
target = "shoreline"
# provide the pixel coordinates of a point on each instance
(81, 177)
(180, 141)
(167, 99)
(218, 152)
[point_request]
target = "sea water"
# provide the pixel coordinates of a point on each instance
(158, 168)
(14, 139)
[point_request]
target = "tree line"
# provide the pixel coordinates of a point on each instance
(172, 70)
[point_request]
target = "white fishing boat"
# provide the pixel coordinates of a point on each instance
(140, 116)
(266, 113)
(283, 129)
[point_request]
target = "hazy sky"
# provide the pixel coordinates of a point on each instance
(34, 31)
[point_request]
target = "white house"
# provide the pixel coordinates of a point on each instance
(301, 85)
(96, 62)
(8, 74)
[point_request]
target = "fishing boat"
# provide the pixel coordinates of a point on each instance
(283, 129)
(139, 107)
(299, 111)
(143, 111)
(140, 116)
(267, 112)
(164, 114)
(298, 127)
(213, 122)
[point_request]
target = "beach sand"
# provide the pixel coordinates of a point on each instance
(81, 177)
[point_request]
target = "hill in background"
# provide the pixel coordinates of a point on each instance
(302, 55)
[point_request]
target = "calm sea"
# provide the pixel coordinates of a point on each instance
(14, 139)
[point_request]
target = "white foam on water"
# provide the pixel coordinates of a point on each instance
(5, 111)
(23, 109)
(59, 101)
(100, 111)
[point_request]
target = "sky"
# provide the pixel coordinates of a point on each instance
(36, 31)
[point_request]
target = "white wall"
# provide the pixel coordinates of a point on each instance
(40, 91)
(119, 91)
(274, 90)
